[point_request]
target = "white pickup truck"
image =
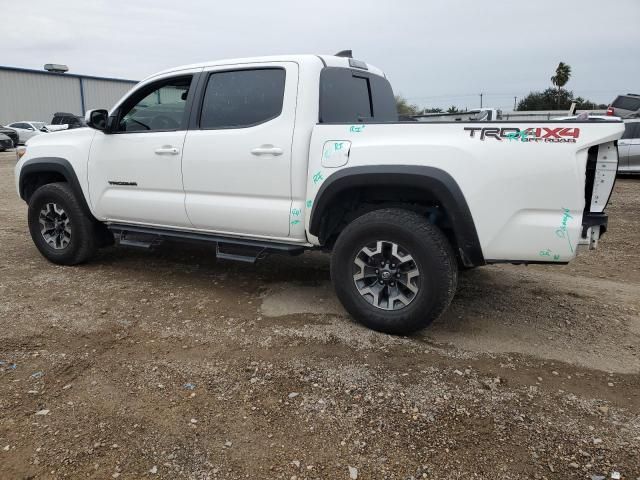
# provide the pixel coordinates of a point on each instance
(284, 154)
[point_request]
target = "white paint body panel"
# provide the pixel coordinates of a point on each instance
(517, 191)
(526, 198)
(157, 197)
(230, 187)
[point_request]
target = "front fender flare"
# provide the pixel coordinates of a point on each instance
(52, 165)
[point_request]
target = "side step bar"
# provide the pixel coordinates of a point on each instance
(228, 248)
(241, 254)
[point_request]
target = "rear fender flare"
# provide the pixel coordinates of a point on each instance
(437, 182)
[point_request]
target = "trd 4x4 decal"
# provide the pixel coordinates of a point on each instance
(532, 134)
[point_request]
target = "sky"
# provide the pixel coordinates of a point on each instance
(436, 53)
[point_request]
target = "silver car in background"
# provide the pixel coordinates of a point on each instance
(28, 129)
(625, 106)
(629, 147)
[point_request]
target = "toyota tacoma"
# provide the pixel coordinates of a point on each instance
(283, 154)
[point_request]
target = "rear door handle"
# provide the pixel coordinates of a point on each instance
(167, 150)
(267, 150)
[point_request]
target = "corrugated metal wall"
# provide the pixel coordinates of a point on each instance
(26, 95)
(103, 93)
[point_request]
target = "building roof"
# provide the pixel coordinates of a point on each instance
(73, 75)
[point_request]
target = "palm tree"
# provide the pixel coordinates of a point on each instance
(560, 79)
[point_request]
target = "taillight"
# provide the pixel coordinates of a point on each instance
(610, 111)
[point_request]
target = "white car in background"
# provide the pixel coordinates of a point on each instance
(26, 130)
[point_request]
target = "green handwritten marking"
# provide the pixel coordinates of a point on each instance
(548, 252)
(309, 203)
(523, 135)
(327, 154)
(563, 230)
(356, 128)
(337, 146)
(296, 212)
(295, 222)
(317, 177)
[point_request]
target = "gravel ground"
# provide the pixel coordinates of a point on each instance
(169, 364)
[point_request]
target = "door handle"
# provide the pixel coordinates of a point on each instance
(167, 150)
(267, 150)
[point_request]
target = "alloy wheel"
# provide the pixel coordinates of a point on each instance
(55, 226)
(386, 275)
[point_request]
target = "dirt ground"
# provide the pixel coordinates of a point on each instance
(169, 364)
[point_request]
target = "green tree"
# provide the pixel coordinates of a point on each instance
(582, 104)
(453, 109)
(406, 108)
(562, 76)
(552, 99)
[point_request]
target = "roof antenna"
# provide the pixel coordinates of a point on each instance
(344, 53)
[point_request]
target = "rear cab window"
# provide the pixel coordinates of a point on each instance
(355, 96)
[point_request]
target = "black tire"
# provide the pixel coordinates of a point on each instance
(431, 253)
(82, 241)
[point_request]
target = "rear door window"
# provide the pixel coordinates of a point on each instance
(242, 98)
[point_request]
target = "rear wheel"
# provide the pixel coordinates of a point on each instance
(393, 271)
(59, 227)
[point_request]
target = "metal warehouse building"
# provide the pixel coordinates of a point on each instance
(35, 95)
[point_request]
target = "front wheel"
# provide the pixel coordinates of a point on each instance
(60, 228)
(393, 271)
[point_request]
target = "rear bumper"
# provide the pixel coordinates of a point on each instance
(602, 166)
(594, 225)
(594, 220)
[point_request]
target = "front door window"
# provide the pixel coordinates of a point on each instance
(161, 107)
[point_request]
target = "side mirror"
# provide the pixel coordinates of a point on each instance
(97, 119)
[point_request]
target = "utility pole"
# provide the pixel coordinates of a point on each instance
(481, 100)
(514, 103)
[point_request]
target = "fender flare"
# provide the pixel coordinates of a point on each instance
(438, 182)
(53, 165)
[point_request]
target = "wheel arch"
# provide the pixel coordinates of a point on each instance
(432, 183)
(43, 170)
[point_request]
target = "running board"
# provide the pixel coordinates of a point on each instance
(241, 253)
(134, 243)
(242, 250)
